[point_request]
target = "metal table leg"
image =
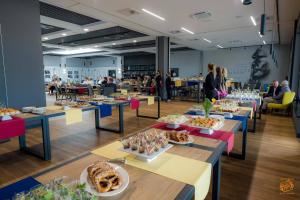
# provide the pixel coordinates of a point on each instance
(151, 117)
(216, 184)
(121, 121)
(46, 141)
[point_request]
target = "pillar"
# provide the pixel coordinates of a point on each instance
(163, 59)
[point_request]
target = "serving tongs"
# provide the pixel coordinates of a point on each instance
(117, 160)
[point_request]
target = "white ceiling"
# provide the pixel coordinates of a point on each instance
(229, 25)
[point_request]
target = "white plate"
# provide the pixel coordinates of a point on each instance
(190, 141)
(91, 189)
(144, 156)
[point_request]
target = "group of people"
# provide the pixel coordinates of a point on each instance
(275, 93)
(215, 82)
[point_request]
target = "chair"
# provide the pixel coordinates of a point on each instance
(107, 91)
(287, 101)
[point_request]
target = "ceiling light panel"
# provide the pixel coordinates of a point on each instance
(153, 14)
(188, 31)
(206, 40)
(253, 20)
(75, 51)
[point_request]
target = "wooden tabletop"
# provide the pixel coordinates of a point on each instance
(143, 184)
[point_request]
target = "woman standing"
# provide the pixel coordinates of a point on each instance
(168, 86)
(210, 88)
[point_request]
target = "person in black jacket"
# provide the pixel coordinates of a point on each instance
(218, 79)
(168, 86)
(158, 84)
(210, 88)
(274, 90)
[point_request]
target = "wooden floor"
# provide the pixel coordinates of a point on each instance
(273, 153)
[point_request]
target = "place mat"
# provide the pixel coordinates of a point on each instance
(134, 104)
(73, 116)
(54, 108)
(24, 185)
(12, 128)
(105, 110)
(124, 92)
(187, 170)
(248, 109)
(150, 99)
(225, 136)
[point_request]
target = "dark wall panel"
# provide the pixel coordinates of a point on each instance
(147, 59)
(23, 59)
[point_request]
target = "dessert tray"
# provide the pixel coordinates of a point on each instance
(104, 179)
(173, 121)
(8, 111)
(207, 125)
(146, 146)
(179, 137)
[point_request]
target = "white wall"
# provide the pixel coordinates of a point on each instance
(188, 62)
(238, 61)
(68, 67)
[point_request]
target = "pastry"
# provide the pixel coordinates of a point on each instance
(104, 177)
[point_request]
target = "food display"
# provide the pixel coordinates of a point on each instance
(8, 111)
(104, 177)
(202, 122)
(146, 145)
(179, 137)
(173, 119)
(73, 104)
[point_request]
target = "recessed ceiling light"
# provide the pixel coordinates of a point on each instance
(153, 14)
(186, 30)
(113, 43)
(220, 46)
(86, 29)
(264, 42)
(206, 40)
(253, 20)
(45, 38)
(134, 41)
(64, 34)
(75, 51)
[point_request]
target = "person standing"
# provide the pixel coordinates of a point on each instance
(168, 86)
(158, 84)
(210, 88)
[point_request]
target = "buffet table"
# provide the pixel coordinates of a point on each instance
(143, 184)
(43, 121)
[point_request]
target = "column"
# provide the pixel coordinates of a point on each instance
(21, 54)
(163, 59)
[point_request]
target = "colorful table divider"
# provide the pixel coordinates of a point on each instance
(134, 104)
(12, 128)
(226, 136)
(187, 170)
(21, 186)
